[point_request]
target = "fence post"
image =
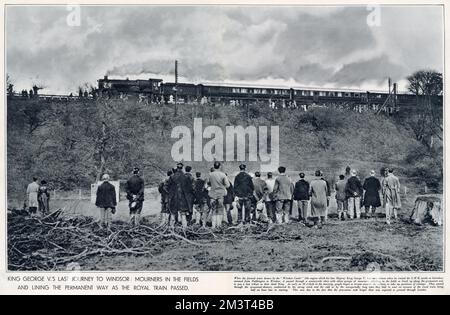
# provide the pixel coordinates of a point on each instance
(79, 193)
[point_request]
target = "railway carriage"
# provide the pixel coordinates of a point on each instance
(244, 94)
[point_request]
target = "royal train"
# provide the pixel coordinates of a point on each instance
(158, 91)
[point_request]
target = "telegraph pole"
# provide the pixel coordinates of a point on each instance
(176, 87)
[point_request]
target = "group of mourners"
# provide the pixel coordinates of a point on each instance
(190, 199)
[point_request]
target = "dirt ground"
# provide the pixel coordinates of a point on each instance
(357, 245)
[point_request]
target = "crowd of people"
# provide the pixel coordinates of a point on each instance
(213, 199)
(190, 199)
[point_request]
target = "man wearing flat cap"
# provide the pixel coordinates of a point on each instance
(135, 195)
(243, 190)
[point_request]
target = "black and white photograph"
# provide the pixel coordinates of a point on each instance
(224, 138)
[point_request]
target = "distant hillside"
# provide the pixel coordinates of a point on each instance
(63, 141)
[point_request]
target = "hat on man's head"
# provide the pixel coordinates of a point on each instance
(242, 167)
(257, 174)
(282, 169)
(136, 170)
(217, 165)
(269, 174)
(179, 165)
(105, 177)
(372, 172)
(354, 172)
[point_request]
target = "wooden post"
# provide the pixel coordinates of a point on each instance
(79, 193)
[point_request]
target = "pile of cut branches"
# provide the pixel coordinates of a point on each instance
(54, 242)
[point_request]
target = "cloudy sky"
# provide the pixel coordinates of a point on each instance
(292, 46)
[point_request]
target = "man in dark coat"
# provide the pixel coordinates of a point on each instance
(354, 192)
(301, 195)
(164, 191)
(200, 198)
(44, 198)
(228, 203)
(179, 188)
(372, 187)
(243, 190)
(190, 194)
(106, 201)
(135, 195)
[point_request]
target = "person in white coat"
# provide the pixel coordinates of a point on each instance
(32, 196)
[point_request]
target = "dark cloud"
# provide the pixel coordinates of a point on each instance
(332, 36)
(301, 45)
(376, 69)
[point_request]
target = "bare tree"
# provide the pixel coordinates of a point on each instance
(9, 85)
(427, 85)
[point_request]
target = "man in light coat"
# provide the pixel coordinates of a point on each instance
(32, 196)
(391, 195)
(318, 190)
(218, 184)
(283, 191)
(269, 198)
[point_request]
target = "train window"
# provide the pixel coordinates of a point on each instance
(244, 90)
(356, 94)
(264, 91)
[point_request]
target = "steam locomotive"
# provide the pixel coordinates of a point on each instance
(155, 89)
